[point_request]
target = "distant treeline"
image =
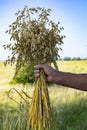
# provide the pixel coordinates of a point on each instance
(74, 58)
(64, 58)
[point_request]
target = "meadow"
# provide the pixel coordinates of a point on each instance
(69, 106)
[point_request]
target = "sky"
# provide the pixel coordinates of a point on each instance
(72, 15)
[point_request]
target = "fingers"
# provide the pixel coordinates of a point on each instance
(40, 66)
(36, 73)
(37, 70)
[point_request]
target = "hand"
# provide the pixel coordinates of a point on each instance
(49, 71)
(77, 81)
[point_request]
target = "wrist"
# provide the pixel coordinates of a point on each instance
(57, 78)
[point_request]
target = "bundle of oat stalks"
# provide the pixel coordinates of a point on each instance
(40, 110)
(36, 40)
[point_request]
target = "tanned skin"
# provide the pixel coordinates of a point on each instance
(76, 81)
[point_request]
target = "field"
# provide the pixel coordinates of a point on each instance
(69, 106)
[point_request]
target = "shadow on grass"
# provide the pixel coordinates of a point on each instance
(12, 118)
(71, 116)
(68, 116)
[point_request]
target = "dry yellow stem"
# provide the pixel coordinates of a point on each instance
(40, 116)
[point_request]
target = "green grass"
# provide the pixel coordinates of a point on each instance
(69, 106)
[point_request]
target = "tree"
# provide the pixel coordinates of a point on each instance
(67, 58)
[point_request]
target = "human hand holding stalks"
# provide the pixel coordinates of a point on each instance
(50, 73)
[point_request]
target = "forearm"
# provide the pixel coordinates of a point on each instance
(77, 81)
